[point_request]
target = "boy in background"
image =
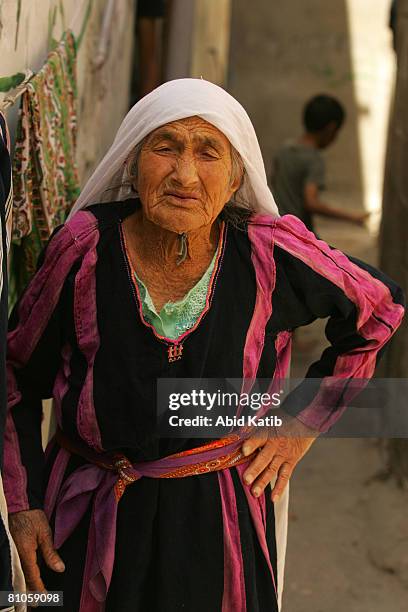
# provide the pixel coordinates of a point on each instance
(299, 170)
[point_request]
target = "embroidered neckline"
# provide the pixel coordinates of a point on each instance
(209, 293)
(177, 317)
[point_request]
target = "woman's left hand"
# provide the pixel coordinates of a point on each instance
(277, 457)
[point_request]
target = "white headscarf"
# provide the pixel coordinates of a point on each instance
(172, 101)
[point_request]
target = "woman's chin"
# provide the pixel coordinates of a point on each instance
(180, 223)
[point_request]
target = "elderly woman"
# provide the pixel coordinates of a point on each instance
(195, 277)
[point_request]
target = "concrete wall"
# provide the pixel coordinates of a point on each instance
(199, 36)
(211, 40)
(103, 93)
(284, 52)
(180, 40)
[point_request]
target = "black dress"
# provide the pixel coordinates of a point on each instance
(169, 540)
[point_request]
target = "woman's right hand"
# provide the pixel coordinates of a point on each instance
(31, 531)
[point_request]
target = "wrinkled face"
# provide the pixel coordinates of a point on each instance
(184, 175)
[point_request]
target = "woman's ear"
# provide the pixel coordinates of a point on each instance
(131, 169)
(132, 165)
(237, 170)
(237, 181)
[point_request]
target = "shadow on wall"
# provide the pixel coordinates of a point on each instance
(283, 53)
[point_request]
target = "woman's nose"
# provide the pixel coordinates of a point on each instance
(186, 171)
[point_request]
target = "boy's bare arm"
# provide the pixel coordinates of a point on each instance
(314, 205)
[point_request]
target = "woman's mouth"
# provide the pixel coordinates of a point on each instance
(182, 196)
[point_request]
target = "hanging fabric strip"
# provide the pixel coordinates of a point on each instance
(46, 180)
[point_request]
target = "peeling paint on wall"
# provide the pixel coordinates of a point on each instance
(85, 22)
(1, 20)
(52, 19)
(62, 14)
(103, 95)
(17, 23)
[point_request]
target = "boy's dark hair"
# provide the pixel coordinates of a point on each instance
(322, 110)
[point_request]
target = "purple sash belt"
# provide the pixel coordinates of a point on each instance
(102, 482)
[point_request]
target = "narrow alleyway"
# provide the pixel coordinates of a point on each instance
(347, 532)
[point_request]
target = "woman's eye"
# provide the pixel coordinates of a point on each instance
(209, 155)
(163, 149)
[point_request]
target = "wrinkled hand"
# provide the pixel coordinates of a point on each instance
(30, 531)
(279, 452)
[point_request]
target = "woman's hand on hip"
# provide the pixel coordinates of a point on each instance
(31, 532)
(279, 452)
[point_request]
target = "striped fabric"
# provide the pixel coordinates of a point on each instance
(5, 233)
(6, 194)
(6, 547)
(45, 176)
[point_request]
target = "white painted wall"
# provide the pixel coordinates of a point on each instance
(373, 62)
(103, 93)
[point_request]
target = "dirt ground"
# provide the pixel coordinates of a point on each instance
(348, 533)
